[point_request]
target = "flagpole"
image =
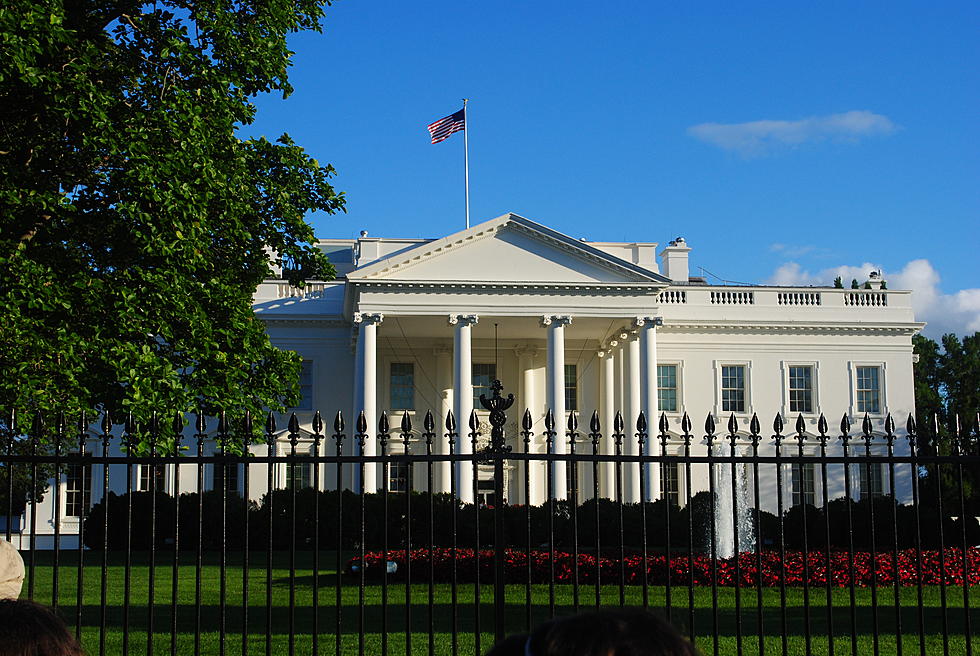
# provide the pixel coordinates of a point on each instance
(466, 161)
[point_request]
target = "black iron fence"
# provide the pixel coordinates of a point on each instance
(245, 541)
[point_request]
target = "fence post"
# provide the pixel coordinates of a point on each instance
(497, 450)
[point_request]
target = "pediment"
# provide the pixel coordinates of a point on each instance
(506, 249)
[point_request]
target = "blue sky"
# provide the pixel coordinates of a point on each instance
(784, 142)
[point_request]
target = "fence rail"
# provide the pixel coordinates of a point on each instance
(788, 541)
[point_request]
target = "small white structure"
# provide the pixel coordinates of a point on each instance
(412, 325)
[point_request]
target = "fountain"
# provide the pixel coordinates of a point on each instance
(732, 512)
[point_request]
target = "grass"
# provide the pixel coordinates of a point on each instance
(384, 613)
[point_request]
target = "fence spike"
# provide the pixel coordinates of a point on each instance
(293, 424)
(317, 423)
(889, 425)
(866, 425)
(845, 425)
(549, 420)
(664, 423)
(177, 424)
(450, 422)
(777, 425)
(200, 423)
(361, 424)
(709, 426)
(686, 424)
(800, 425)
(910, 425)
(641, 422)
(428, 423)
(755, 428)
(732, 424)
(270, 423)
(338, 422)
(82, 423)
(223, 423)
(822, 425)
(618, 422)
(406, 423)
(572, 421)
(383, 425)
(474, 422)
(106, 424)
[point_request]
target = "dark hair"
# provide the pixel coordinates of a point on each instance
(30, 629)
(613, 632)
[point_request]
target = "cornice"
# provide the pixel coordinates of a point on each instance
(305, 320)
(830, 328)
(646, 288)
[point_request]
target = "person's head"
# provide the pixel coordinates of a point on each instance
(613, 632)
(30, 629)
(11, 571)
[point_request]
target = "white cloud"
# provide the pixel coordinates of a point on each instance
(758, 137)
(956, 313)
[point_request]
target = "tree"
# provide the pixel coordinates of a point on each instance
(947, 400)
(136, 223)
(854, 283)
(838, 283)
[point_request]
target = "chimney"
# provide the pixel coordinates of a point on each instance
(673, 260)
(875, 281)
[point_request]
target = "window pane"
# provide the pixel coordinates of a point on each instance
(667, 387)
(803, 484)
(78, 490)
(733, 388)
(298, 475)
(483, 375)
(670, 475)
(306, 386)
(868, 389)
(157, 472)
(397, 476)
(402, 386)
(571, 387)
(801, 389)
(871, 480)
(225, 476)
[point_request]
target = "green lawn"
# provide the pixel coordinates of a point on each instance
(707, 622)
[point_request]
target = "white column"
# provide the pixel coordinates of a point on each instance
(527, 400)
(463, 398)
(631, 472)
(607, 412)
(444, 379)
(367, 346)
(556, 396)
(648, 366)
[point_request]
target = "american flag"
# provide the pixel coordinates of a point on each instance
(444, 127)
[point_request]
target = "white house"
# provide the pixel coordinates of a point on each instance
(411, 325)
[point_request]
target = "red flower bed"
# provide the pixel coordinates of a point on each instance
(796, 569)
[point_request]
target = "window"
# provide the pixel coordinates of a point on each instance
(868, 395)
(871, 480)
(485, 490)
(152, 477)
(801, 389)
(483, 375)
(670, 481)
(402, 386)
(733, 388)
(803, 485)
(299, 475)
(78, 490)
(398, 477)
(571, 387)
(667, 387)
(306, 386)
(225, 476)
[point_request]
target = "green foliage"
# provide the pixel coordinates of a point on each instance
(838, 283)
(134, 223)
(884, 285)
(947, 404)
(854, 284)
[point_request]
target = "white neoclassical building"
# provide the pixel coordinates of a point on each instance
(413, 325)
(576, 326)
